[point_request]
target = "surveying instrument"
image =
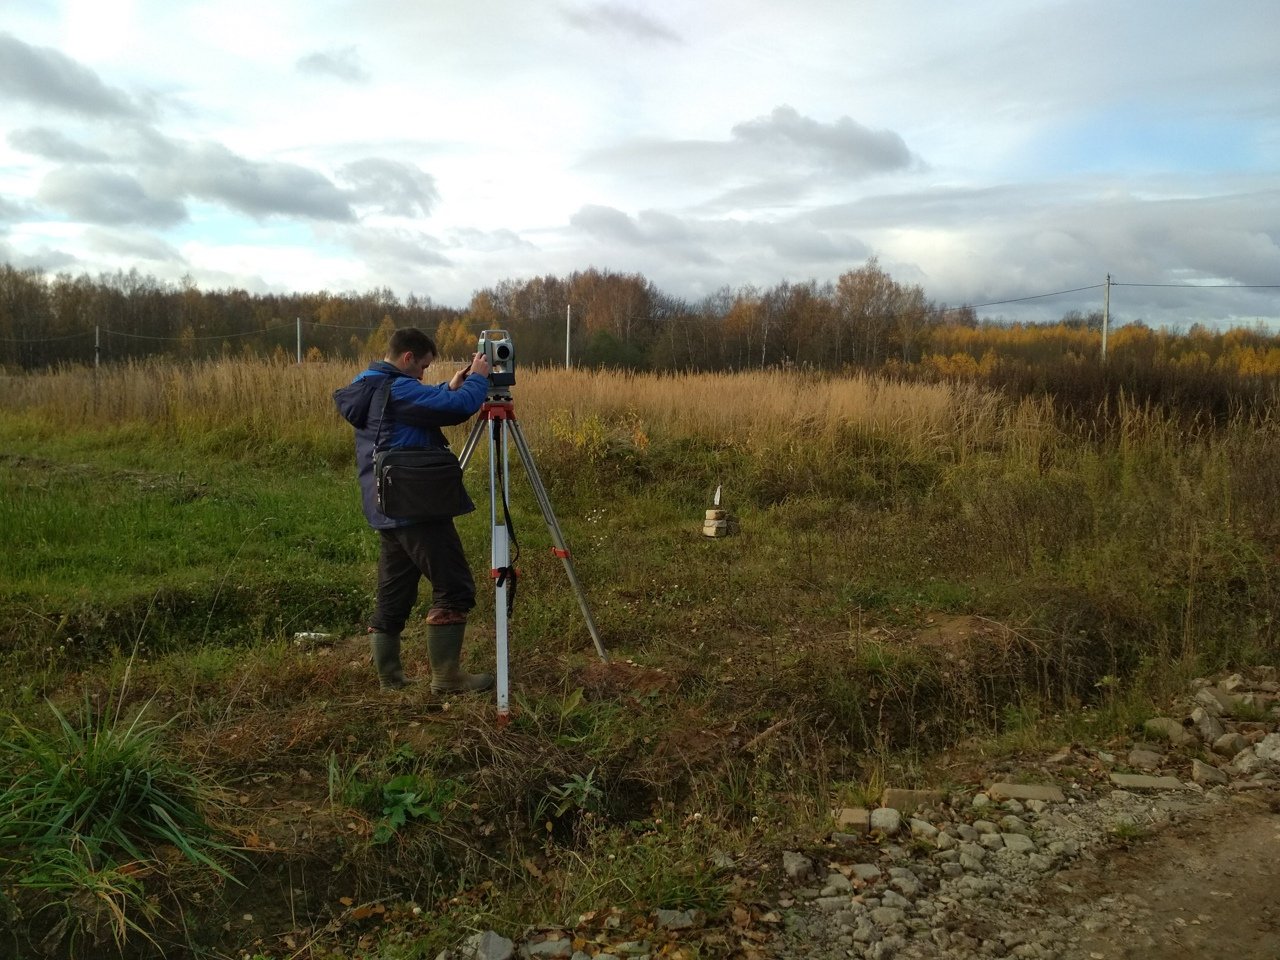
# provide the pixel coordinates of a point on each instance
(497, 417)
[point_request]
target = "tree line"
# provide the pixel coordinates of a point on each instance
(864, 319)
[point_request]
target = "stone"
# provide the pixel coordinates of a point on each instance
(488, 945)
(836, 883)
(1229, 744)
(909, 801)
(866, 872)
(1215, 701)
(1026, 791)
(1207, 725)
(1268, 749)
(945, 841)
(922, 829)
(679, 919)
(1204, 774)
(886, 820)
(1166, 728)
(852, 819)
(1012, 824)
(796, 866)
(1133, 781)
(1145, 759)
(1018, 843)
(985, 826)
(991, 841)
(887, 916)
(981, 800)
(547, 949)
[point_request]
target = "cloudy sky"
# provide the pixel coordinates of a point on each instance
(988, 151)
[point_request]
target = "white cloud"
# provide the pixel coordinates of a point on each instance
(985, 151)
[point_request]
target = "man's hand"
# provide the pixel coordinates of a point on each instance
(479, 364)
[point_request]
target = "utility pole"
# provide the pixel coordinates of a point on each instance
(299, 329)
(568, 313)
(1106, 314)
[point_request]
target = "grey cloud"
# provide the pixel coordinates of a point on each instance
(395, 187)
(42, 259)
(54, 145)
(131, 245)
(844, 146)
(606, 223)
(212, 172)
(402, 247)
(488, 241)
(619, 20)
(10, 212)
(342, 63)
(47, 78)
(651, 230)
(784, 155)
(102, 196)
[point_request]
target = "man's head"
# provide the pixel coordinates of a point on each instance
(411, 351)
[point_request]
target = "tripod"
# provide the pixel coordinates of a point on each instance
(499, 418)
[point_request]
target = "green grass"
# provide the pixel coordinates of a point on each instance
(876, 603)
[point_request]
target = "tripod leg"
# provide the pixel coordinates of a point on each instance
(469, 447)
(562, 549)
(500, 558)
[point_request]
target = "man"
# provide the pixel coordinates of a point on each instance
(411, 549)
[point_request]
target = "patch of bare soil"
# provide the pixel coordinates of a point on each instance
(1206, 889)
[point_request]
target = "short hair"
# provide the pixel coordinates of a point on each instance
(411, 339)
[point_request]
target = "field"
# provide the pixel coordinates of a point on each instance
(915, 569)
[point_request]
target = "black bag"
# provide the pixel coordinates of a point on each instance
(417, 484)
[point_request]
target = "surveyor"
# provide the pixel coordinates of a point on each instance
(391, 409)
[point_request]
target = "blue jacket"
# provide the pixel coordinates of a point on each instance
(414, 415)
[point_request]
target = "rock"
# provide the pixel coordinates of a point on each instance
(1204, 774)
(1207, 725)
(488, 945)
(909, 801)
(1215, 701)
(981, 800)
(1130, 781)
(922, 829)
(886, 821)
(836, 883)
(887, 916)
(547, 949)
(866, 872)
(680, 919)
(852, 819)
(1229, 744)
(1166, 728)
(945, 841)
(1026, 791)
(985, 826)
(796, 866)
(1012, 824)
(1018, 843)
(1145, 759)
(1268, 749)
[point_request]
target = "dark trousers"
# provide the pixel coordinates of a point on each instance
(433, 550)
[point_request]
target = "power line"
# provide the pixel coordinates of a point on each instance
(1038, 296)
(69, 336)
(1204, 286)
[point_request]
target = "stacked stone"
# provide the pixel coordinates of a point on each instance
(716, 524)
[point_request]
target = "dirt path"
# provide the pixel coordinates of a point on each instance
(1208, 888)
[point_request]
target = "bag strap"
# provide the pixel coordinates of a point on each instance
(385, 392)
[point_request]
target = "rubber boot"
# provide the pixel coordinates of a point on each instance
(444, 643)
(386, 658)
